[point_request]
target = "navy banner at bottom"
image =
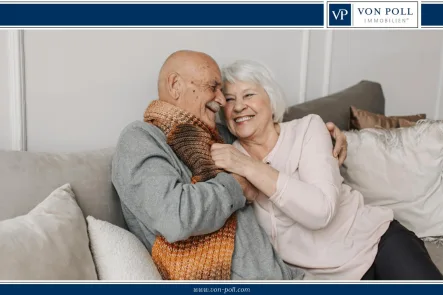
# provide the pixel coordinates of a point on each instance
(359, 288)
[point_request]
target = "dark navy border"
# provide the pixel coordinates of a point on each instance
(432, 15)
(168, 15)
(360, 288)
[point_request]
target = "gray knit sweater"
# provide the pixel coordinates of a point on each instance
(157, 198)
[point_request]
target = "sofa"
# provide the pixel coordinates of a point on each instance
(27, 178)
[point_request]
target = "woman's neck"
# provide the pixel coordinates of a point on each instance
(258, 147)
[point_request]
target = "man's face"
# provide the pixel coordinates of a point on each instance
(203, 96)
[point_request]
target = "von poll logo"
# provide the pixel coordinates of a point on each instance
(340, 14)
(376, 14)
(386, 12)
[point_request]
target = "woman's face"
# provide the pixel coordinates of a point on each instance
(248, 109)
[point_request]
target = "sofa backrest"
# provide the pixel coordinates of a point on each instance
(335, 107)
(27, 178)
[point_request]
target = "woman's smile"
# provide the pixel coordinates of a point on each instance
(243, 119)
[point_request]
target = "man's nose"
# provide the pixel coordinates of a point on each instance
(220, 98)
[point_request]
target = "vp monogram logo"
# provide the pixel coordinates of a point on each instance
(340, 14)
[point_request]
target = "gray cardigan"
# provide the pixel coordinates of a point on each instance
(157, 198)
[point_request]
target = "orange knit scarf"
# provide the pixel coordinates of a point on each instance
(205, 257)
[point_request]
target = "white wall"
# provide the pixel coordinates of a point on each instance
(319, 62)
(406, 63)
(84, 86)
(5, 134)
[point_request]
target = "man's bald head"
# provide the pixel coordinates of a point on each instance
(186, 63)
(191, 81)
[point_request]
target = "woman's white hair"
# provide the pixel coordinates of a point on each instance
(255, 72)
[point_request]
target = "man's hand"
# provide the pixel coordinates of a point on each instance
(341, 144)
(250, 191)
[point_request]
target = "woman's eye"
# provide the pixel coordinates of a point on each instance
(249, 95)
(229, 98)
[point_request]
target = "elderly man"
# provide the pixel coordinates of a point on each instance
(193, 218)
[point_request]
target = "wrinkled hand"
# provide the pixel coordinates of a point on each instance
(227, 157)
(249, 191)
(341, 144)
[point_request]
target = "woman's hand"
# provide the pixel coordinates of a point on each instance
(261, 175)
(227, 157)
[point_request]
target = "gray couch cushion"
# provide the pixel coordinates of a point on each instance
(335, 108)
(49, 243)
(27, 178)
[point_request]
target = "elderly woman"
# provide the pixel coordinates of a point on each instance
(312, 218)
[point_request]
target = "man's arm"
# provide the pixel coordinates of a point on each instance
(340, 149)
(149, 183)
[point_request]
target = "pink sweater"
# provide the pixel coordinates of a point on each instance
(313, 220)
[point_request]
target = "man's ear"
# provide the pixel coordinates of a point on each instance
(175, 85)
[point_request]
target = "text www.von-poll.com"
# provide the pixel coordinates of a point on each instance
(224, 290)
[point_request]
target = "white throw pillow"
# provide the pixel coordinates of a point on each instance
(400, 169)
(49, 243)
(119, 254)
